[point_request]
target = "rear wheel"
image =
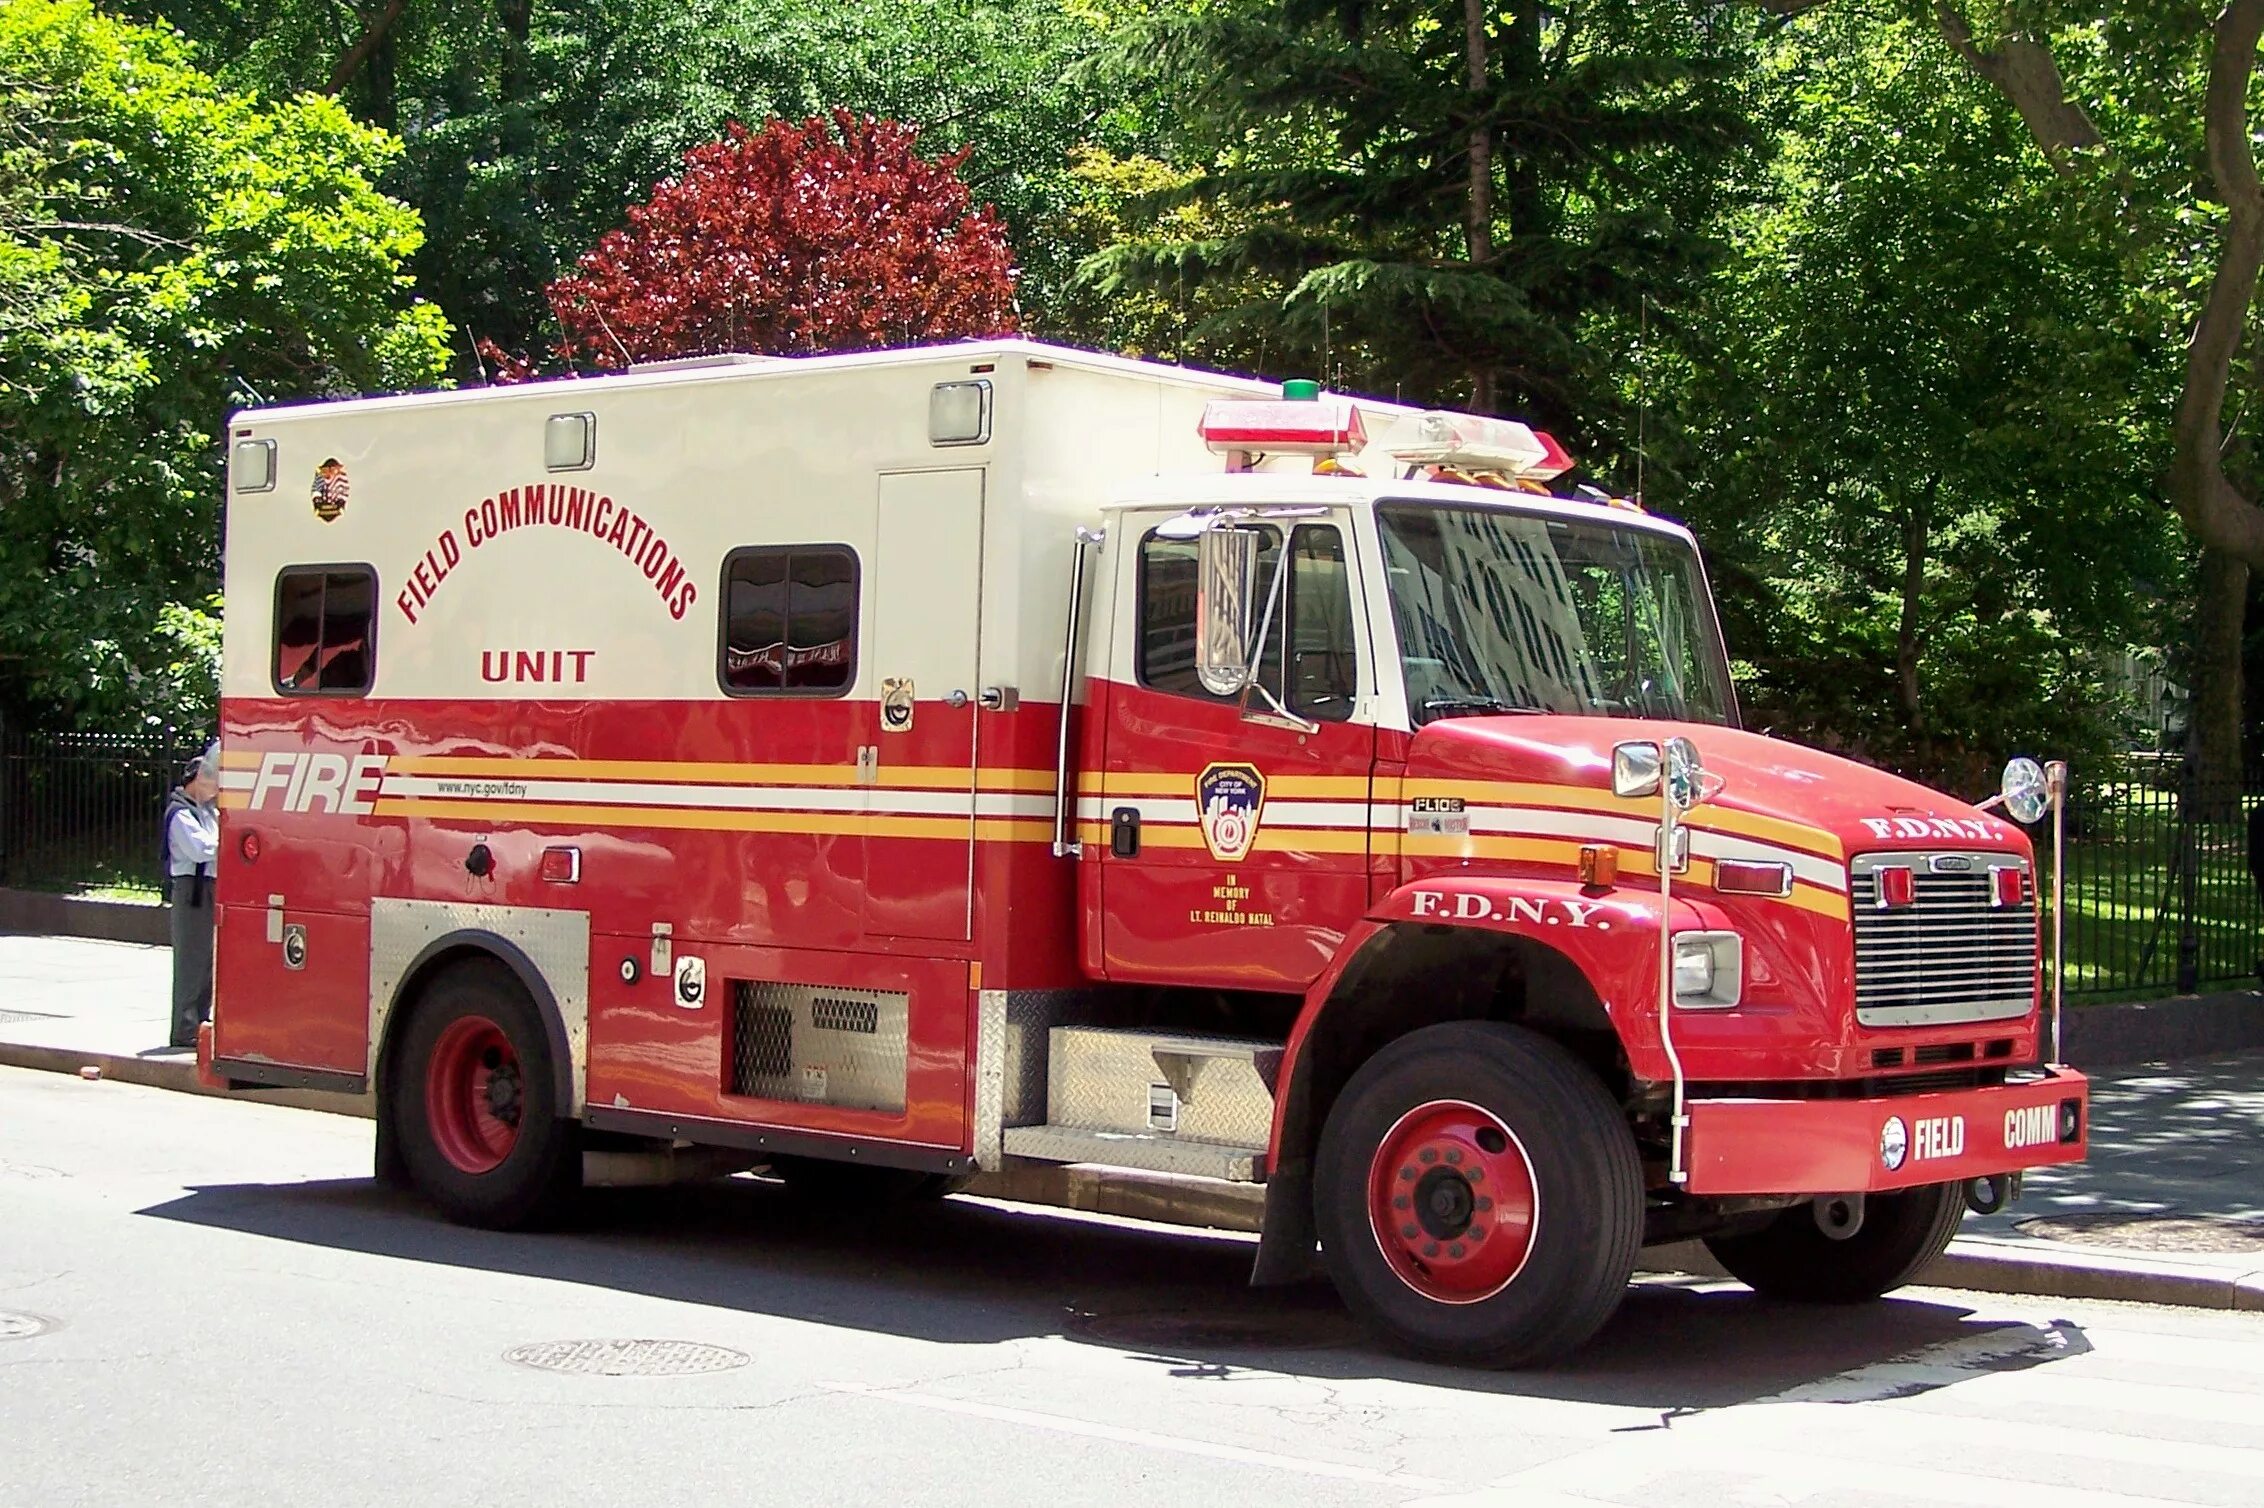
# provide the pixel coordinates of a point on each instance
(473, 1104)
(1478, 1196)
(1791, 1258)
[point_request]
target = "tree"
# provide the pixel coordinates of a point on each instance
(168, 250)
(2143, 112)
(792, 239)
(530, 128)
(1460, 199)
(1924, 428)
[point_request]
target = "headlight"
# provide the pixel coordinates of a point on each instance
(1709, 970)
(1894, 1143)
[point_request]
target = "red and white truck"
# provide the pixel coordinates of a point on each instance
(891, 766)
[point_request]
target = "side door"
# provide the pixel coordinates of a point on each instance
(1235, 839)
(927, 599)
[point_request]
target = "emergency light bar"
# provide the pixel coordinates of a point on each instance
(1473, 442)
(1323, 426)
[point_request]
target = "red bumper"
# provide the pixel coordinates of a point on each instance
(205, 1075)
(1867, 1146)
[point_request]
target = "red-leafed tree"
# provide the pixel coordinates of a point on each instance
(791, 239)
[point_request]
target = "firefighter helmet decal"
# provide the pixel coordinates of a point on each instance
(331, 489)
(1229, 800)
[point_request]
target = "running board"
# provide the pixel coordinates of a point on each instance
(1146, 1151)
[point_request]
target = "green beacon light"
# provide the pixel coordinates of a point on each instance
(1301, 390)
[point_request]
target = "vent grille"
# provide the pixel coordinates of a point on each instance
(1950, 956)
(830, 1013)
(762, 1039)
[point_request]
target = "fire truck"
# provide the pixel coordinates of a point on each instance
(881, 768)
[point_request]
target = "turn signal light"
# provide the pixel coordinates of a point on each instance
(1897, 888)
(562, 866)
(248, 846)
(1598, 866)
(1743, 877)
(2006, 885)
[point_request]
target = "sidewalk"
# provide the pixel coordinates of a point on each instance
(2169, 1209)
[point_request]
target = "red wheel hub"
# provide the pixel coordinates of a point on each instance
(473, 1095)
(1452, 1202)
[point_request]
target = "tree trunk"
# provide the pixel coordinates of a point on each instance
(1917, 526)
(1478, 212)
(377, 30)
(2220, 613)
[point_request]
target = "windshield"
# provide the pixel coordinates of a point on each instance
(1516, 612)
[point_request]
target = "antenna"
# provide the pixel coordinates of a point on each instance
(626, 359)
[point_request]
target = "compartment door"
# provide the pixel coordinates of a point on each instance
(927, 599)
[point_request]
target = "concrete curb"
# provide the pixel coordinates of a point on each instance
(39, 913)
(1975, 1263)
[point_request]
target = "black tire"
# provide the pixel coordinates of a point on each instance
(1790, 1258)
(1585, 1177)
(535, 1182)
(856, 1185)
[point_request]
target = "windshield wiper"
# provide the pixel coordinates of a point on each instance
(1453, 706)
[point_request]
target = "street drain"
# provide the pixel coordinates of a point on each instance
(626, 1358)
(1182, 1334)
(2194, 1233)
(15, 1326)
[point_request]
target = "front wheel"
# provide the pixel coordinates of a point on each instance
(472, 1104)
(1791, 1258)
(1478, 1195)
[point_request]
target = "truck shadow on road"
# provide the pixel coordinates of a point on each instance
(975, 1272)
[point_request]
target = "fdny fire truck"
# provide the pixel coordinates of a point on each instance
(880, 768)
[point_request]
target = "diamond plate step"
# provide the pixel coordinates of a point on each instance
(1149, 1152)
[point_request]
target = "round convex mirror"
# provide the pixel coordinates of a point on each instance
(1686, 773)
(2026, 797)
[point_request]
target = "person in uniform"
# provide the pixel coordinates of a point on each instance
(192, 843)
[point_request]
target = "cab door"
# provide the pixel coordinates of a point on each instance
(1235, 840)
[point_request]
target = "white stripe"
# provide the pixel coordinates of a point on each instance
(1179, 1444)
(237, 780)
(1629, 832)
(846, 799)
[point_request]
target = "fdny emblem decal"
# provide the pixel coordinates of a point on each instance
(331, 490)
(1230, 799)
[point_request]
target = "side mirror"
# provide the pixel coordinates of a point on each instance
(2024, 791)
(1226, 604)
(1635, 769)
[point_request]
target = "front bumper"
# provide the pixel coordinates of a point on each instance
(1810, 1146)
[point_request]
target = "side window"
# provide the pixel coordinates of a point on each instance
(325, 627)
(789, 621)
(1315, 624)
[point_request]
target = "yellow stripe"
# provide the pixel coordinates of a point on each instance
(1560, 853)
(914, 777)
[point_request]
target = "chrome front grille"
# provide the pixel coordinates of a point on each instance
(1950, 956)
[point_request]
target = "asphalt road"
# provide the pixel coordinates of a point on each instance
(234, 1313)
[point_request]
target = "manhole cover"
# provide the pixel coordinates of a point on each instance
(2148, 1232)
(15, 1326)
(1181, 1334)
(626, 1358)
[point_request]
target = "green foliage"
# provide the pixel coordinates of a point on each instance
(167, 248)
(1337, 144)
(1923, 434)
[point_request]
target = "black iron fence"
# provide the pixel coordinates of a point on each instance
(2165, 879)
(80, 812)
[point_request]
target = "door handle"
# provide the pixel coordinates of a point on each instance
(1001, 698)
(1124, 832)
(956, 699)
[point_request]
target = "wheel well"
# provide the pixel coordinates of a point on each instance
(1408, 977)
(462, 950)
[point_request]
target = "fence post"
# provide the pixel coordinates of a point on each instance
(2189, 877)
